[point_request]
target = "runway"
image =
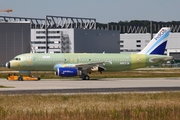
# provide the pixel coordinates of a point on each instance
(108, 85)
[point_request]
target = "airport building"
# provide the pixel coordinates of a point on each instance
(15, 39)
(59, 34)
(134, 42)
(55, 34)
(74, 41)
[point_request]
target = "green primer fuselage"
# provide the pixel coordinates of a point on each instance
(112, 62)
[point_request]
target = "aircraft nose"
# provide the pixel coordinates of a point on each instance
(8, 64)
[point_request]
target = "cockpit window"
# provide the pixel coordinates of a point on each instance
(17, 59)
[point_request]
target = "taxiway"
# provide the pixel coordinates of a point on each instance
(101, 85)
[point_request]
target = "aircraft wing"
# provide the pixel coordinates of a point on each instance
(85, 66)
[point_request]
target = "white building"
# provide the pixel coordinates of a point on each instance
(58, 41)
(173, 45)
(133, 42)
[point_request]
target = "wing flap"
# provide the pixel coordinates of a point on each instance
(86, 66)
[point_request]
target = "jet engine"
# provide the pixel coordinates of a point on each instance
(67, 72)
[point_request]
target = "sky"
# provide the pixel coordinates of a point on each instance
(103, 11)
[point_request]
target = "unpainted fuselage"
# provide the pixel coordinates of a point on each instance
(112, 62)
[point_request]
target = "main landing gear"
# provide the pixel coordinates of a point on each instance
(84, 76)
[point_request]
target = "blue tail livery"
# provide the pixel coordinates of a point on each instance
(158, 44)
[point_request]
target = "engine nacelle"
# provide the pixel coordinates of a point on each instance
(67, 72)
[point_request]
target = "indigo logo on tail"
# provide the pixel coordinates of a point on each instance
(158, 44)
(161, 33)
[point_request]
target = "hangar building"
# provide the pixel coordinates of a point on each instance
(75, 41)
(15, 39)
(59, 34)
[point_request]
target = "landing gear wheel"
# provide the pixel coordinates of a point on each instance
(39, 78)
(20, 79)
(86, 77)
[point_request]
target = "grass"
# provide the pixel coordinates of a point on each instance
(137, 106)
(137, 74)
(1, 86)
(126, 106)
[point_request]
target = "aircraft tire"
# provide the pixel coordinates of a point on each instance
(20, 79)
(86, 77)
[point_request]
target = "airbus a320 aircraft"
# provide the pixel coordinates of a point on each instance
(80, 64)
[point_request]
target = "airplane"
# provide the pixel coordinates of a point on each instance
(81, 64)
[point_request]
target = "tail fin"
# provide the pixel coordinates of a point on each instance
(158, 44)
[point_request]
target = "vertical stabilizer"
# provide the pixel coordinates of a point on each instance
(158, 44)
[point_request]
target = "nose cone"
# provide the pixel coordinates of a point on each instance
(8, 64)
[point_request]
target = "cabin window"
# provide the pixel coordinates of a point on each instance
(17, 59)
